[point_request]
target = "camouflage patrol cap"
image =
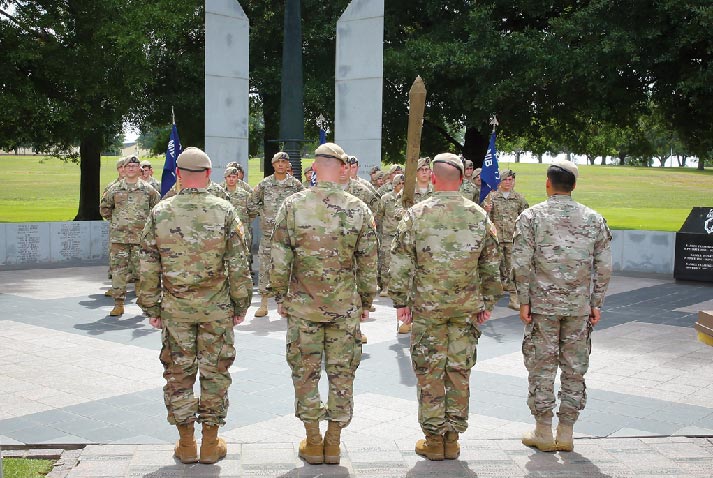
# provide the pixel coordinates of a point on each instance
(424, 162)
(120, 163)
(232, 164)
(394, 168)
(380, 175)
(131, 160)
(507, 174)
(477, 172)
(280, 155)
(468, 163)
(568, 166)
(352, 160)
(146, 162)
(194, 160)
(398, 179)
(331, 150)
(229, 171)
(450, 159)
(375, 169)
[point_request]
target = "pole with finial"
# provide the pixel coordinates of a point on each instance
(416, 109)
(494, 122)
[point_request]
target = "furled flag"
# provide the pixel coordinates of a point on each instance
(490, 175)
(168, 177)
(322, 136)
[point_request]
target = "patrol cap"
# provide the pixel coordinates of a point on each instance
(450, 159)
(507, 174)
(352, 160)
(375, 169)
(229, 171)
(468, 163)
(131, 160)
(565, 165)
(232, 164)
(146, 162)
(394, 168)
(120, 163)
(280, 155)
(331, 150)
(194, 160)
(380, 175)
(425, 162)
(477, 171)
(398, 179)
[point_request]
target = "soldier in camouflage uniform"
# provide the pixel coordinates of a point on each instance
(354, 175)
(241, 176)
(468, 189)
(478, 183)
(196, 287)
(445, 280)
(388, 187)
(266, 199)
(562, 262)
(147, 175)
(504, 206)
(126, 205)
(392, 214)
(372, 176)
(323, 277)
(119, 177)
(307, 183)
(240, 199)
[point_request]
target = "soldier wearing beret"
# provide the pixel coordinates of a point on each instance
(240, 199)
(126, 204)
(241, 177)
(196, 286)
(119, 177)
(147, 175)
(392, 214)
(372, 176)
(468, 189)
(562, 263)
(354, 175)
(504, 206)
(388, 187)
(266, 199)
(323, 276)
(445, 281)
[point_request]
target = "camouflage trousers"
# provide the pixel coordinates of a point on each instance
(506, 271)
(339, 342)
(208, 347)
(123, 265)
(443, 351)
(385, 260)
(551, 342)
(263, 254)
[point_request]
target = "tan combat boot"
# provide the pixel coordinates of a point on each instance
(431, 447)
(107, 293)
(213, 448)
(186, 449)
(514, 304)
(118, 308)
(405, 328)
(451, 448)
(541, 437)
(565, 441)
(262, 311)
(384, 292)
(331, 443)
(363, 339)
(312, 447)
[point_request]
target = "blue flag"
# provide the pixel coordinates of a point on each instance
(322, 136)
(168, 178)
(490, 175)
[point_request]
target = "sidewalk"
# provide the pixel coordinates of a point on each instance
(70, 374)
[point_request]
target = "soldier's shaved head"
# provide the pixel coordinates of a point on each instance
(446, 177)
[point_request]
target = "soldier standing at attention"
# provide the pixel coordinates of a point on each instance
(240, 199)
(126, 204)
(323, 277)
(445, 281)
(195, 287)
(266, 199)
(241, 177)
(504, 206)
(147, 175)
(468, 189)
(391, 217)
(562, 262)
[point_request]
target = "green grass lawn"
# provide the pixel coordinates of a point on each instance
(24, 468)
(47, 189)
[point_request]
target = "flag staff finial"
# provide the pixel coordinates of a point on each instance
(494, 122)
(173, 116)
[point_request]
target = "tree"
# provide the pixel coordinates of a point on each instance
(73, 72)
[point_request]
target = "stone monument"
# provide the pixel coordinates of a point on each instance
(227, 39)
(359, 78)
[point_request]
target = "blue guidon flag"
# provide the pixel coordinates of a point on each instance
(490, 175)
(168, 178)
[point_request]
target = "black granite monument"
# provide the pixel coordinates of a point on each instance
(694, 247)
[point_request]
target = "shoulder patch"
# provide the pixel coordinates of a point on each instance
(493, 230)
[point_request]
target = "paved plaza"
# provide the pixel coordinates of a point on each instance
(72, 375)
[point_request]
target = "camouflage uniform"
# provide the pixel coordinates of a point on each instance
(504, 213)
(357, 188)
(469, 191)
(562, 251)
(154, 183)
(266, 199)
(126, 206)
(241, 185)
(324, 274)
(240, 199)
(444, 266)
(392, 214)
(366, 184)
(195, 278)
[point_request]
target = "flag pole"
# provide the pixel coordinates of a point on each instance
(173, 116)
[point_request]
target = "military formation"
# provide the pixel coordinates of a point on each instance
(329, 245)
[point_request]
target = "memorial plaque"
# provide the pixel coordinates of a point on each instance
(694, 246)
(99, 240)
(3, 244)
(28, 243)
(69, 241)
